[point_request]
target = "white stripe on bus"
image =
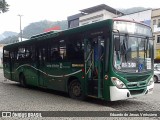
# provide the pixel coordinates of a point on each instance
(45, 72)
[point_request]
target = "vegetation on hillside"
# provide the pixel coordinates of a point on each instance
(35, 28)
(39, 27)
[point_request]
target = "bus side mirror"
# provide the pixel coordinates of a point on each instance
(117, 43)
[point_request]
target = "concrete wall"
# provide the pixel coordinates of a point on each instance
(95, 17)
(156, 31)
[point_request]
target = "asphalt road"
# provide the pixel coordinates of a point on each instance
(15, 98)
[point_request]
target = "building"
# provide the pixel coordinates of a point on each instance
(93, 14)
(101, 12)
(155, 24)
(141, 16)
(98, 13)
(73, 21)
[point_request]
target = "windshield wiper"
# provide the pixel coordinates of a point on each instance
(125, 47)
(125, 51)
(146, 46)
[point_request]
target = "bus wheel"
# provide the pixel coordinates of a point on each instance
(22, 80)
(75, 90)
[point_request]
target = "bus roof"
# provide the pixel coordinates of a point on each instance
(79, 29)
(53, 34)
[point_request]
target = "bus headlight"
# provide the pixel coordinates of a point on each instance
(118, 83)
(151, 81)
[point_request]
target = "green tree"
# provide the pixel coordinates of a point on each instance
(3, 6)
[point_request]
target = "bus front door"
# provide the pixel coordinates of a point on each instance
(94, 66)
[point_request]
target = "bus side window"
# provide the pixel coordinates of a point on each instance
(80, 52)
(12, 55)
(6, 56)
(62, 45)
(21, 54)
(30, 53)
(71, 52)
(75, 48)
(55, 54)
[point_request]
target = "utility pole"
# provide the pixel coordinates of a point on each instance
(20, 27)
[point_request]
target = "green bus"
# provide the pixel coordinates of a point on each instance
(110, 60)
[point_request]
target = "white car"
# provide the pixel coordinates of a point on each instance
(156, 72)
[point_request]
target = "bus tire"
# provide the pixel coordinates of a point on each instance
(22, 80)
(75, 90)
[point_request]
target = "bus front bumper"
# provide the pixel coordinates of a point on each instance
(122, 94)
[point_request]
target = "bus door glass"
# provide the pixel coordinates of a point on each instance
(94, 54)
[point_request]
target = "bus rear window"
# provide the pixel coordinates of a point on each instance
(5, 56)
(6, 53)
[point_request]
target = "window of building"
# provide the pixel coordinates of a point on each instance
(158, 39)
(74, 23)
(158, 22)
(154, 22)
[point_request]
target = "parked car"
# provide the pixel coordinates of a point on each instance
(156, 72)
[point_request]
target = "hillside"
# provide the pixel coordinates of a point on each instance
(35, 28)
(7, 34)
(39, 27)
(132, 10)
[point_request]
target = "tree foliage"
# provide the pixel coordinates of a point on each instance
(4, 7)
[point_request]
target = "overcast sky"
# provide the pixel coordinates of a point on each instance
(56, 10)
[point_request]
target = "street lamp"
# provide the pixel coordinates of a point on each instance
(20, 26)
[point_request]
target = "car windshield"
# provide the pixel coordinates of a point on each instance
(157, 67)
(135, 54)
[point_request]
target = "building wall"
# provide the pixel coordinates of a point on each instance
(95, 17)
(155, 24)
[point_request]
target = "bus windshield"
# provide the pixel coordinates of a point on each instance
(135, 53)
